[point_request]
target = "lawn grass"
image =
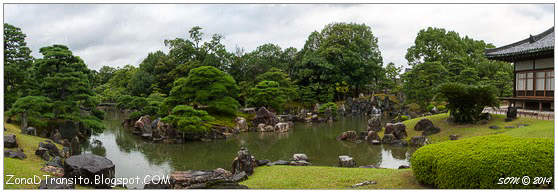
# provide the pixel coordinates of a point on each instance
(323, 177)
(29, 166)
(535, 129)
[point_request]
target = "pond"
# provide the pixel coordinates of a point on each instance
(134, 156)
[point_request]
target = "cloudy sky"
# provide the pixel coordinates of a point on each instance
(117, 35)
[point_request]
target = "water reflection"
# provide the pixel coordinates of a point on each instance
(134, 156)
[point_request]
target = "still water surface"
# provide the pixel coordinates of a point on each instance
(134, 156)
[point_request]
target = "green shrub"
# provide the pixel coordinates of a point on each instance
(466, 102)
(413, 107)
(329, 108)
(430, 107)
(404, 118)
(188, 120)
(479, 162)
(441, 108)
(98, 113)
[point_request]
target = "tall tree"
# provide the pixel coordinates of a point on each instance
(17, 64)
(341, 52)
(64, 79)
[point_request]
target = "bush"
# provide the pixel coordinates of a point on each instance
(404, 117)
(479, 162)
(98, 113)
(329, 108)
(466, 102)
(188, 120)
(441, 108)
(430, 107)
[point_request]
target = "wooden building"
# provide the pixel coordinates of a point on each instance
(533, 61)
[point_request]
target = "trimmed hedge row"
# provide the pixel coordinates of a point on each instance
(480, 162)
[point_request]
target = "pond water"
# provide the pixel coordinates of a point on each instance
(134, 156)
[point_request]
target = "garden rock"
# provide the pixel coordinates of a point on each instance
(511, 114)
(363, 184)
(47, 147)
(241, 124)
(300, 163)
(266, 117)
(244, 162)
(14, 154)
(348, 136)
(418, 141)
(57, 137)
(30, 131)
(398, 130)
(198, 179)
(88, 166)
(282, 127)
(404, 167)
(279, 162)
(399, 142)
(372, 137)
(494, 127)
(262, 162)
(55, 171)
(300, 157)
(346, 161)
(453, 137)
(10, 141)
(388, 139)
(75, 149)
(427, 127)
(56, 183)
(239, 177)
(374, 123)
(509, 127)
(55, 161)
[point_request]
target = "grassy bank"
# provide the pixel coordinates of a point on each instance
(535, 129)
(321, 177)
(27, 167)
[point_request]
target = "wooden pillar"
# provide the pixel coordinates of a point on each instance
(540, 105)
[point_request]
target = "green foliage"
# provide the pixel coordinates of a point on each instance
(466, 103)
(268, 94)
(441, 108)
(479, 162)
(188, 120)
(17, 65)
(124, 102)
(207, 87)
(430, 107)
(419, 84)
(404, 118)
(98, 113)
(340, 52)
(32, 109)
(328, 109)
(414, 107)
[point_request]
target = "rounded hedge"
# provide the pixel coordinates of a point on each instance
(480, 162)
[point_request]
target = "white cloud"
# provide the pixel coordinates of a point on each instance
(113, 34)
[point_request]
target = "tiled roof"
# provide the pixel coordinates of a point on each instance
(543, 42)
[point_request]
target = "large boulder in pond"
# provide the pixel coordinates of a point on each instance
(348, 136)
(373, 137)
(511, 114)
(88, 166)
(10, 141)
(375, 123)
(398, 130)
(241, 124)
(244, 162)
(282, 127)
(346, 161)
(427, 127)
(388, 139)
(266, 117)
(300, 157)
